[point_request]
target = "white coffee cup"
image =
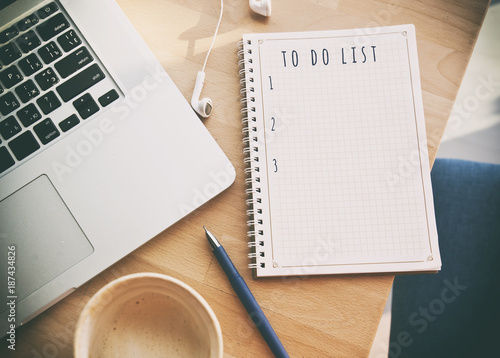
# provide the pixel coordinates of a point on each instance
(147, 315)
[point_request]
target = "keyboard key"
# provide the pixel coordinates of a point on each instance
(30, 64)
(27, 22)
(9, 127)
(69, 123)
(49, 52)
(86, 106)
(53, 26)
(80, 82)
(47, 10)
(69, 40)
(27, 91)
(10, 77)
(46, 79)
(108, 97)
(28, 115)
(23, 145)
(8, 34)
(46, 131)
(48, 102)
(6, 160)
(73, 62)
(28, 42)
(8, 103)
(9, 53)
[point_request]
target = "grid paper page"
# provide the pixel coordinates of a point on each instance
(342, 151)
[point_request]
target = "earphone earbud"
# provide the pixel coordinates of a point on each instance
(262, 7)
(203, 106)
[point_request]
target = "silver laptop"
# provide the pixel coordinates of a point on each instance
(99, 151)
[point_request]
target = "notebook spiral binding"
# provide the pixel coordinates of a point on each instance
(251, 151)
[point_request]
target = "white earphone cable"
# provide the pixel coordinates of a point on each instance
(215, 35)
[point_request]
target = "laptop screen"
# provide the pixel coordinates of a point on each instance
(6, 3)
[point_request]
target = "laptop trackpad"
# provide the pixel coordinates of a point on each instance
(46, 237)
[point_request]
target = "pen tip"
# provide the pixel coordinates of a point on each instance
(211, 239)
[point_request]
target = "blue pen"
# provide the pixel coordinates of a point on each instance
(246, 297)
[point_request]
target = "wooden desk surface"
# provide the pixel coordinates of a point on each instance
(314, 316)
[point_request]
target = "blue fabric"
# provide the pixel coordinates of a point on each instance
(456, 312)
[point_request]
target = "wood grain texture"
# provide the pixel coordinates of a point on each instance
(330, 316)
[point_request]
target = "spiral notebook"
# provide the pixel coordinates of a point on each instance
(337, 166)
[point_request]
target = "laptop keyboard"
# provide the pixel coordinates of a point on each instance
(46, 73)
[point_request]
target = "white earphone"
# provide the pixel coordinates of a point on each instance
(262, 7)
(204, 107)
